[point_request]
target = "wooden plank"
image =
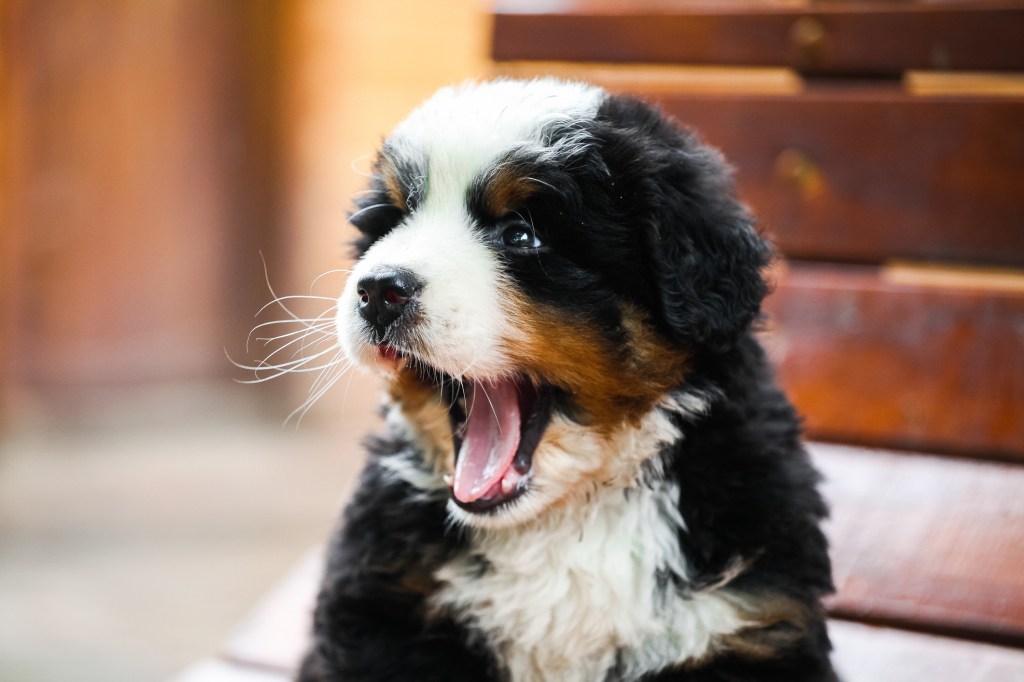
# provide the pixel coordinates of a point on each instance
(855, 173)
(928, 542)
(276, 632)
(273, 636)
(667, 78)
(868, 174)
(976, 278)
(929, 83)
(863, 653)
(915, 365)
(847, 38)
(212, 670)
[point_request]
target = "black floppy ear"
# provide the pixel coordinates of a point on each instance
(706, 257)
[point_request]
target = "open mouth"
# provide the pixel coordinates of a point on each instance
(496, 427)
(495, 439)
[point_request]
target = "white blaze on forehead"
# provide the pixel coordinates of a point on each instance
(461, 131)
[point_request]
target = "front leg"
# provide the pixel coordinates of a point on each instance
(804, 660)
(361, 640)
(373, 618)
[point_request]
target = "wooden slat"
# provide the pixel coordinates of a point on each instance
(920, 366)
(275, 634)
(929, 83)
(212, 670)
(872, 654)
(821, 38)
(884, 505)
(667, 78)
(925, 541)
(852, 172)
(867, 174)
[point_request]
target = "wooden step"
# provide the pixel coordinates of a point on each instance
(923, 542)
(819, 38)
(915, 358)
(927, 543)
(873, 173)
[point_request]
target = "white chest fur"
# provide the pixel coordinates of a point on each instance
(576, 594)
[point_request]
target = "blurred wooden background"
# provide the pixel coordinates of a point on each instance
(154, 154)
(141, 179)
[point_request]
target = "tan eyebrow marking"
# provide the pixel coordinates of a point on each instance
(388, 173)
(506, 189)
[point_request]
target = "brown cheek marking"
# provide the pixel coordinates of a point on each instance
(423, 407)
(417, 581)
(610, 384)
(394, 187)
(506, 190)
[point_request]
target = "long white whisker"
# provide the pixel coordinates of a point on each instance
(299, 365)
(352, 167)
(324, 386)
(280, 371)
(325, 378)
(324, 328)
(312, 345)
(348, 385)
(317, 341)
(365, 209)
(324, 274)
(306, 321)
(446, 405)
(308, 327)
(300, 340)
(278, 299)
(472, 361)
(489, 402)
(305, 359)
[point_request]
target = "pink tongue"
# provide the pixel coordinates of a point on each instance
(490, 441)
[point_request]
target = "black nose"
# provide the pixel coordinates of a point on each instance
(384, 295)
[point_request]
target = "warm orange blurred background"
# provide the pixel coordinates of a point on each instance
(168, 167)
(155, 155)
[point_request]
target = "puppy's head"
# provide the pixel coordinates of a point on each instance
(538, 263)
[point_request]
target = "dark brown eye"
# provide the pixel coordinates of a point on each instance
(519, 236)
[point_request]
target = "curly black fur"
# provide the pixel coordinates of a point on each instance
(648, 215)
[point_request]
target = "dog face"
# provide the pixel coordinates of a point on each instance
(540, 263)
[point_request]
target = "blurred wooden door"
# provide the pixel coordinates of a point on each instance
(137, 192)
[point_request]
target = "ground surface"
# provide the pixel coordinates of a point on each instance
(126, 553)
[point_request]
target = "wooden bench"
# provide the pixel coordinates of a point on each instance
(882, 145)
(892, 177)
(918, 540)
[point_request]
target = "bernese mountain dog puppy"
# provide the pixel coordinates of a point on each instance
(588, 471)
